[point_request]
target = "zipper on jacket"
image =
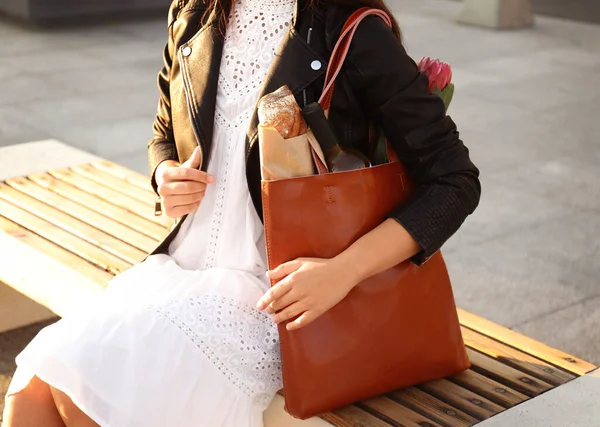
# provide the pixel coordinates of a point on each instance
(158, 202)
(158, 207)
(189, 101)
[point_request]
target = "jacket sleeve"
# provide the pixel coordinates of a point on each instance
(395, 94)
(162, 145)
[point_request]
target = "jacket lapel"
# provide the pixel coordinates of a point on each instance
(201, 75)
(296, 65)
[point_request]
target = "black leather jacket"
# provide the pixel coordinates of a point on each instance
(379, 83)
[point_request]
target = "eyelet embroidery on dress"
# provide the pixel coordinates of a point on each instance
(234, 337)
(217, 219)
(251, 42)
(254, 34)
(230, 124)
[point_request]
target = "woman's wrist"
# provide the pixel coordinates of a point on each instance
(350, 267)
(386, 246)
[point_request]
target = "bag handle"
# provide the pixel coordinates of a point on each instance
(340, 51)
(338, 56)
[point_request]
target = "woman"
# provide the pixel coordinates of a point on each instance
(188, 336)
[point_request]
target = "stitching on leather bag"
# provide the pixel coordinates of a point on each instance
(329, 193)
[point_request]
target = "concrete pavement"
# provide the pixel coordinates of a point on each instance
(578, 10)
(573, 405)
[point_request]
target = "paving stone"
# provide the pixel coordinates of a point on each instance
(128, 50)
(32, 40)
(138, 160)
(500, 14)
(583, 10)
(576, 327)
(574, 404)
(566, 180)
(102, 108)
(42, 63)
(505, 209)
(15, 127)
(24, 88)
(565, 243)
(503, 282)
(103, 79)
(111, 139)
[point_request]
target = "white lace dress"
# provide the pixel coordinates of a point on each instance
(176, 340)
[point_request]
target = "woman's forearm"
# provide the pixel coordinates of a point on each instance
(381, 249)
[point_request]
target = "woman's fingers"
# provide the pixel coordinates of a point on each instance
(182, 204)
(276, 292)
(174, 188)
(178, 211)
(281, 303)
(306, 318)
(284, 269)
(290, 312)
(187, 174)
(183, 199)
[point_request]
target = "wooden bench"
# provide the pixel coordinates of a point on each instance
(65, 232)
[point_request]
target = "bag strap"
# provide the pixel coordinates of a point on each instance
(340, 51)
(338, 56)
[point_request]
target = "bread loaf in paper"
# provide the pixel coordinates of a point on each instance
(279, 110)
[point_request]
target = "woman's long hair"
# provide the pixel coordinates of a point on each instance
(219, 9)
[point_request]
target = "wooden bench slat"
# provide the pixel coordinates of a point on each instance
(433, 408)
(124, 187)
(505, 374)
(125, 217)
(84, 249)
(529, 345)
(353, 416)
(487, 387)
(124, 173)
(84, 214)
(91, 271)
(397, 412)
(515, 358)
(145, 210)
(467, 401)
(73, 225)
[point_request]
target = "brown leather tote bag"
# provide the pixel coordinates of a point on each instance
(393, 330)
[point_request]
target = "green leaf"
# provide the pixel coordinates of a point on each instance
(447, 94)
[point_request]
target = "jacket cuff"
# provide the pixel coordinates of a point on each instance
(158, 152)
(430, 217)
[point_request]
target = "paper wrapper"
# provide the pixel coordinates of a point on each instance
(287, 158)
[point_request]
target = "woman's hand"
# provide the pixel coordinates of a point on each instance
(311, 286)
(182, 187)
(308, 288)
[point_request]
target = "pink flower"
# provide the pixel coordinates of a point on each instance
(438, 72)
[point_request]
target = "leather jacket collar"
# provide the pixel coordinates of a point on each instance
(296, 64)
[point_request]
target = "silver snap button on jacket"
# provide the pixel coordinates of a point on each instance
(186, 51)
(316, 65)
